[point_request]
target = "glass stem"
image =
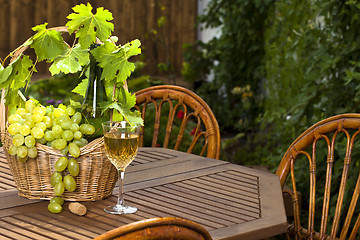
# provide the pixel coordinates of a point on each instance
(120, 201)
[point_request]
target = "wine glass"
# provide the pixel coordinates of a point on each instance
(121, 145)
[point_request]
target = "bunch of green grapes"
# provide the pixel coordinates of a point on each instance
(59, 128)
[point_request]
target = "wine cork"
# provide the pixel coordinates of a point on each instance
(77, 208)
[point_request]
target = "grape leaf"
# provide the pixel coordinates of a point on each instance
(21, 72)
(81, 87)
(70, 61)
(4, 75)
(12, 100)
(47, 43)
(134, 118)
(126, 99)
(125, 102)
(114, 60)
(89, 26)
(117, 117)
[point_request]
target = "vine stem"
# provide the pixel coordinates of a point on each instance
(113, 96)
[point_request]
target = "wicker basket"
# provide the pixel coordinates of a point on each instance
(96, 179)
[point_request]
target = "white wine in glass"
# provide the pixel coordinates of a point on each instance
(121, 145)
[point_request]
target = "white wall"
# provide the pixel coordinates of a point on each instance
(206, 34)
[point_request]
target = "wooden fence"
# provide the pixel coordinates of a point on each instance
(132, 19)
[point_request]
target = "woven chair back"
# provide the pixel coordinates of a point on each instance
(175, 117)
(328, 154)
(165, 228)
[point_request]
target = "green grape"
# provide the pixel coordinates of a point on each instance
(37, 117)
(50, 114)
(74, 127)
(25, 130)
(41, 140)
(57, 200)
(13, 150)
(69, 183)
(48, 122)
(63, 118)
(41, 125)
(22, 159)
(52, 143)
(28, 116)
(30, 106)
(22, 151)
(55, 178)
(59, 188)
(40, 109)
(58, 112)
(76, 118)
(87, 129)
(73, 167)
(57, 130)
(30, 141)
(21, 111)
(32, 152)
(78, 143)
(29, 123)
(37, 132)
(61, 164)
(65, 124)
(70, 111)
(68, 135)
(60, 143)
(77, 135)
(18, 140)
(22, 121)
(55, 207)
(14, 128)
(49, 135)
(74, 150)
(83, 142)
(14, 118)
(65, 150)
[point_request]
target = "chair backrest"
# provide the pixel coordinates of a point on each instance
(328, 155)
(158, 228)
(175, 117)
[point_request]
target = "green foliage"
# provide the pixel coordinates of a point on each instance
(89, 26)
(312, 55)
(70, 61)
(47, 43)
(236, 60)
(114, 60)
(55, 90)
(311, 51)
(50, 46)
(300, 60)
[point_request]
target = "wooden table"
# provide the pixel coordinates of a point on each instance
(230, 201)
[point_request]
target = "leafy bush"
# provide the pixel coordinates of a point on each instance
(301, 61)
(236, 60)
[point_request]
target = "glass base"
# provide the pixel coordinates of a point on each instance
(120, 209)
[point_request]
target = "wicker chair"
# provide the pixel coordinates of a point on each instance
(336, 139)
(196, 130)
(158, 228)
